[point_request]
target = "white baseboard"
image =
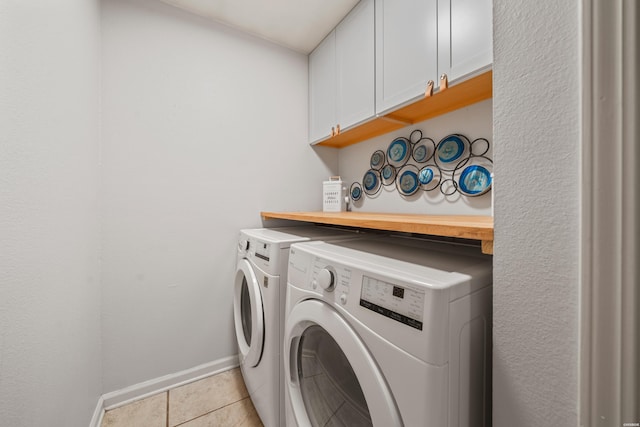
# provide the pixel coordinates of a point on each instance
(144, 389)
(96, 420)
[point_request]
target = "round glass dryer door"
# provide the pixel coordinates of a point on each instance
(331, 376)
(248, 314)
(328, 384)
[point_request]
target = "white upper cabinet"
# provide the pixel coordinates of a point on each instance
(341, 75)
(383, 54)
(355, 53)
(465, 37)
(322, 89)
(406, 50)
(419, 40)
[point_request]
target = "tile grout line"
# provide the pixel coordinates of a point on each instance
(211, 412)
(168, 408)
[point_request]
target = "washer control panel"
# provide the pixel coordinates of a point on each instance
(262, 250)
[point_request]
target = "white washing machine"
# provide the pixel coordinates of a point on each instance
(258, 306)
(387, 333)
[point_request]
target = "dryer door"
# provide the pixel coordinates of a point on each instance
(248, 314)
(331, 377)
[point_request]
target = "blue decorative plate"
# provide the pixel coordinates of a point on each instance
(451, 150)
(423, 150)
(425, 176)
(388, 174)
(377, 160)
(429, 177)
(371, 182)
(474, 180)
(355, 192)
(407, 181)
(420, 153)
(398, 152)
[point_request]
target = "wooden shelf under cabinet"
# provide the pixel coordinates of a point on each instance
(458, 226)
(456, 96)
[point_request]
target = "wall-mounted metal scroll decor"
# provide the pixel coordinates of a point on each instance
(418, 164)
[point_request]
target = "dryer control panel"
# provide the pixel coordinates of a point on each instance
(408, 304)
(329, 278)
(402, 304)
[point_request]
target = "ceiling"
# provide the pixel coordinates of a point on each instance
(297, 24)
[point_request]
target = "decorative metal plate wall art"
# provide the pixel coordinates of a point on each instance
(451, 150)
(407, 181)
(371, 182)
(355, 191)
(388, 174)
(474, 180)
(423, 148)
(399, 152)
(454, 164)
(377, 160)
(429, 177)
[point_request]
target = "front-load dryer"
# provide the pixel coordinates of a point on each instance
(260, 281)
(387, 333)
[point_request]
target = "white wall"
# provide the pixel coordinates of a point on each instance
(474, 121)
(536, 99)
(203, 128)
(50, 360)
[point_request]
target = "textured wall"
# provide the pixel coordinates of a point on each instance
(49, 215)
(203, 127)
(537, 154)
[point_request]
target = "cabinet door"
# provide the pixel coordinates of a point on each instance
(322, 89)
(355, 50)
(465, 36)
(406, 50)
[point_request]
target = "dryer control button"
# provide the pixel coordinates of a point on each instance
(314, 284)
(326, 279)
(343, 299)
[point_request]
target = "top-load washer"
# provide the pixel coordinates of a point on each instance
(387, 333)
(260, 282)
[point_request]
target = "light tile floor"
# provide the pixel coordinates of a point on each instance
(217, 401)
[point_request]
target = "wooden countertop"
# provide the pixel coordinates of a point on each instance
(472, 227)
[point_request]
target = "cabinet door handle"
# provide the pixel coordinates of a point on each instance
(444, 82)
(429, 90)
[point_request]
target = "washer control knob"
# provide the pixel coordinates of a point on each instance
(326, 279)
(343, 299)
